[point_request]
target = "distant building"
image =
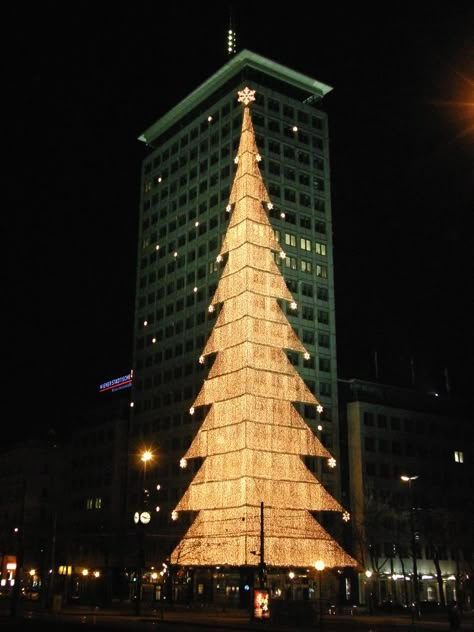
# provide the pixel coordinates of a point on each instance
(393, 432)
(30, 479)
(91, 530)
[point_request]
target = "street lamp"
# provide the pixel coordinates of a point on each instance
(408, 479)
(142, 517)
(368, 574)
(320, 566)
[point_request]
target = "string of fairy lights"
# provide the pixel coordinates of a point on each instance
(252, 439)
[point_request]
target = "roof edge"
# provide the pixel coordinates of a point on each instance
(243, 58)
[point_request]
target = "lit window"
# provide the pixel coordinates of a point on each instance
(290, 239)
(305, 244)
(458, 456)
(320, 249)
(290, 262)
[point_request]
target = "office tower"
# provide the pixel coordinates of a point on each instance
(186, 180)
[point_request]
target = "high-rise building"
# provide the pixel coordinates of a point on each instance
(186, 179)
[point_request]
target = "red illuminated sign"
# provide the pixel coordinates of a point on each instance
(261, 603)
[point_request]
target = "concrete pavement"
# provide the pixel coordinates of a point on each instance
(123, 616)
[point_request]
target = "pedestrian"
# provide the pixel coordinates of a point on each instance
(454, 616)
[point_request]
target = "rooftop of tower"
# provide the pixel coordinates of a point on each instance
(301, 86)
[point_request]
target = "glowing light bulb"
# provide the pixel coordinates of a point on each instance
(282, 254)
(269, 206)
(157, 247)
(346, 516)
(295, 128)
(293, 305)
(306, 356)
(153, 340)
(319, 408)
(282, 215)
(228, 208)
(201, 359)
(258, 157)
(132, 404)
(320, 427)
(219, 258)
(160, 179)
(174, 515)
(211, 308)
(175, 254)
(209, 119)
(183, 464)
(191, 410)
(196, 224)
(195, 289)
(236, 159)
(332, 462)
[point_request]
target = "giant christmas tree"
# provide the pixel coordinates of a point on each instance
(252, 439)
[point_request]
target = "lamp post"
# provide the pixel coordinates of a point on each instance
(320, 566)
(142, 518)
(368, 574)
(408, 479)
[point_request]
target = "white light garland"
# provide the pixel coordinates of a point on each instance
(252, 439)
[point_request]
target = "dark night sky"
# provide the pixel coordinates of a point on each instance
(82, 81)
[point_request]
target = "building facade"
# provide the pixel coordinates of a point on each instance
(409, 474)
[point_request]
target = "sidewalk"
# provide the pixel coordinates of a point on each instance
(234, 618)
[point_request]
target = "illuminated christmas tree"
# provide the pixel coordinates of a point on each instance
(252, 439)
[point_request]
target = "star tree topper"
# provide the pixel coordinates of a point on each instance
(246, 96)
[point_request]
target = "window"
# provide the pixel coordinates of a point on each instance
(368, 419)
(305, 244)
(320, 249)
(323, 316)
(273, 105)
(369, 444)
(273, 147)
(395, 423)
(320, 227)
(305, 200)
(323, 340)
(305, 222)
(382, 421)
(306, 266)
(307, 312)
(324, 364)
(274, 168)
(325, 389)
(321, 271)
(290, 239)
(289, 173)
(274, 126)
(289, 152)
(458, 456)
(290, 262)
(322, 293)
(308, 336)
